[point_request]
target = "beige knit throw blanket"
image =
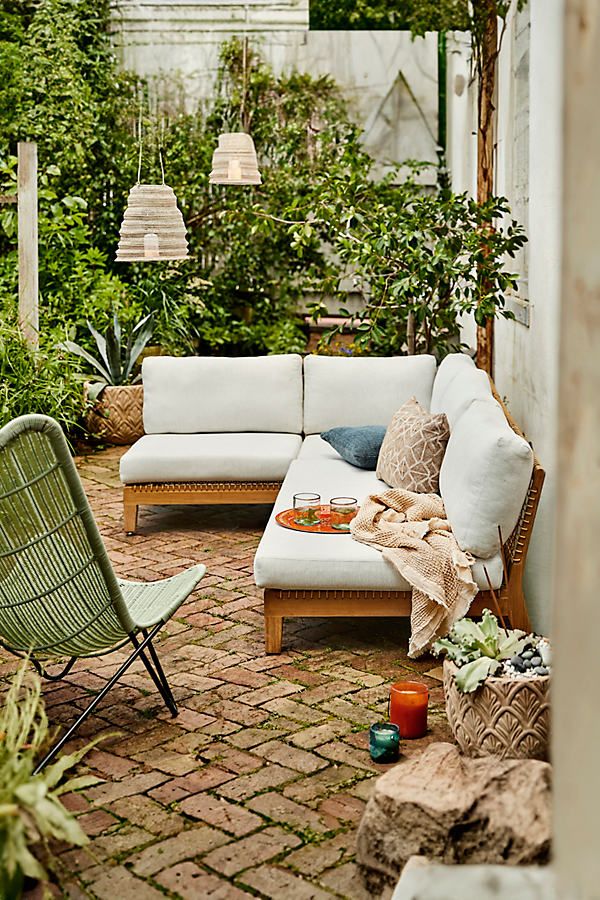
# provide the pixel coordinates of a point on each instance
(414, 535)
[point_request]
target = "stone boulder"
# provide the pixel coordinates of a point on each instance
(451, 809)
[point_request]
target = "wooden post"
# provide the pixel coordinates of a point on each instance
(28, 241)
(575, 700)
(488, 57)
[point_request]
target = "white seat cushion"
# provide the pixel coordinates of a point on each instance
(342, 391)
(467, 384)
(448, 369)
(292, 560)
(202, 394)
(484, 477)
(314, 447)
(209, 457)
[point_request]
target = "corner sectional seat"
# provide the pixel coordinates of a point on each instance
(247, 430)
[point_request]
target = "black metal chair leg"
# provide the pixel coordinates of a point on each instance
(162, 685)
(157, 665)
(139, 649)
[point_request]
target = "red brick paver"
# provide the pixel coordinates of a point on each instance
(257, 788)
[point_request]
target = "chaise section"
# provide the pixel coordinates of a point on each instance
(293, 560)
(306, 574)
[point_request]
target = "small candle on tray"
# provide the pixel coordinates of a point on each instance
(384, 742)
(408, 708)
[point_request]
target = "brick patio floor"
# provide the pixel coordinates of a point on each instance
(257, 788)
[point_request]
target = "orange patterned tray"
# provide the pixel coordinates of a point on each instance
(286, 520)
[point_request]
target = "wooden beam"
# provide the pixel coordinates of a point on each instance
(28, 241)
(575, 700)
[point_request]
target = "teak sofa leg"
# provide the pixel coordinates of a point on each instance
(517, 607)
(130, 514)
(273, 633)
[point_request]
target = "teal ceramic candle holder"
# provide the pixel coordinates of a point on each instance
(384, 742)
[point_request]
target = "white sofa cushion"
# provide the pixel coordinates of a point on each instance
(484, 477)
(209, 457)
(467, 384)
(362, 390)
(448, 369)
(314, 447)
(201, 394)
(292, 560)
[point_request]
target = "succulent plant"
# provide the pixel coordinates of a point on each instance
(480, 648)
(117, 358)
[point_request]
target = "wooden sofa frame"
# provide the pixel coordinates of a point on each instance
(218, 492)
(352, 603)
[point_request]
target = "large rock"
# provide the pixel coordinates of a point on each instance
(452, 809)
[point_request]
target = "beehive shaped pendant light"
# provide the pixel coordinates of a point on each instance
(234, 161)
(153, 227)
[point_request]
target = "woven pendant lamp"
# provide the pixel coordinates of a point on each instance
(234, 161)
(153, 227)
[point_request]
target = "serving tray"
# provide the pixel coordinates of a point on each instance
(286, 520)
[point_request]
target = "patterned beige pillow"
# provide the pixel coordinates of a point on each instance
(413, 449)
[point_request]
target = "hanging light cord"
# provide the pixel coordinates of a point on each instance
(244, 66)
(160, 146)
(139, 174)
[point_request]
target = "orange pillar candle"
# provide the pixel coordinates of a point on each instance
(408, 708)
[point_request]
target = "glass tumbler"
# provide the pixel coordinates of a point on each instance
(342, 511)
(307, 509)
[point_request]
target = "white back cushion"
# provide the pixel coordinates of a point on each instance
(363, 390)
(484, 477)
(202, 394)
(468, 384)
(448, 369)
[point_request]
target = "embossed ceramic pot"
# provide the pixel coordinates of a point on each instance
(505, 717)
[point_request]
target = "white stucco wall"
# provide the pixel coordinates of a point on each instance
(182, 38)
(526, 356)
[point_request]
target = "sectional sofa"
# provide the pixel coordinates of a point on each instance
(247, 430)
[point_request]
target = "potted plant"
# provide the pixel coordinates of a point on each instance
(31, 811)
(496, 684)
(117, 399)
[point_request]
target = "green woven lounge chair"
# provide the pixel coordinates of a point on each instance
(59, 595)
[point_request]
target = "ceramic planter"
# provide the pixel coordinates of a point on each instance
(116, 417)
(505, 717)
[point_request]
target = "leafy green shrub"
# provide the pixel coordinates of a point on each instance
(37, 381)
(422, 256)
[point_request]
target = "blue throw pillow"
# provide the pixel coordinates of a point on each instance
(358, 446)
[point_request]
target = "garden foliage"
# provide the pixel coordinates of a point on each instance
(320, 216)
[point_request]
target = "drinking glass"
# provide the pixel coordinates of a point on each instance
(342, 511)
(306, 508)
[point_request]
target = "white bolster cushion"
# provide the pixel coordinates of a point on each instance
(341, 391)
(484, 477)
(203, 394)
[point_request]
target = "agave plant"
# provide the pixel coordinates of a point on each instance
(479, 649)
(30, 808)
(117, 358)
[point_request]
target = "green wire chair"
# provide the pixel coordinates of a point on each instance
(59, 595)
